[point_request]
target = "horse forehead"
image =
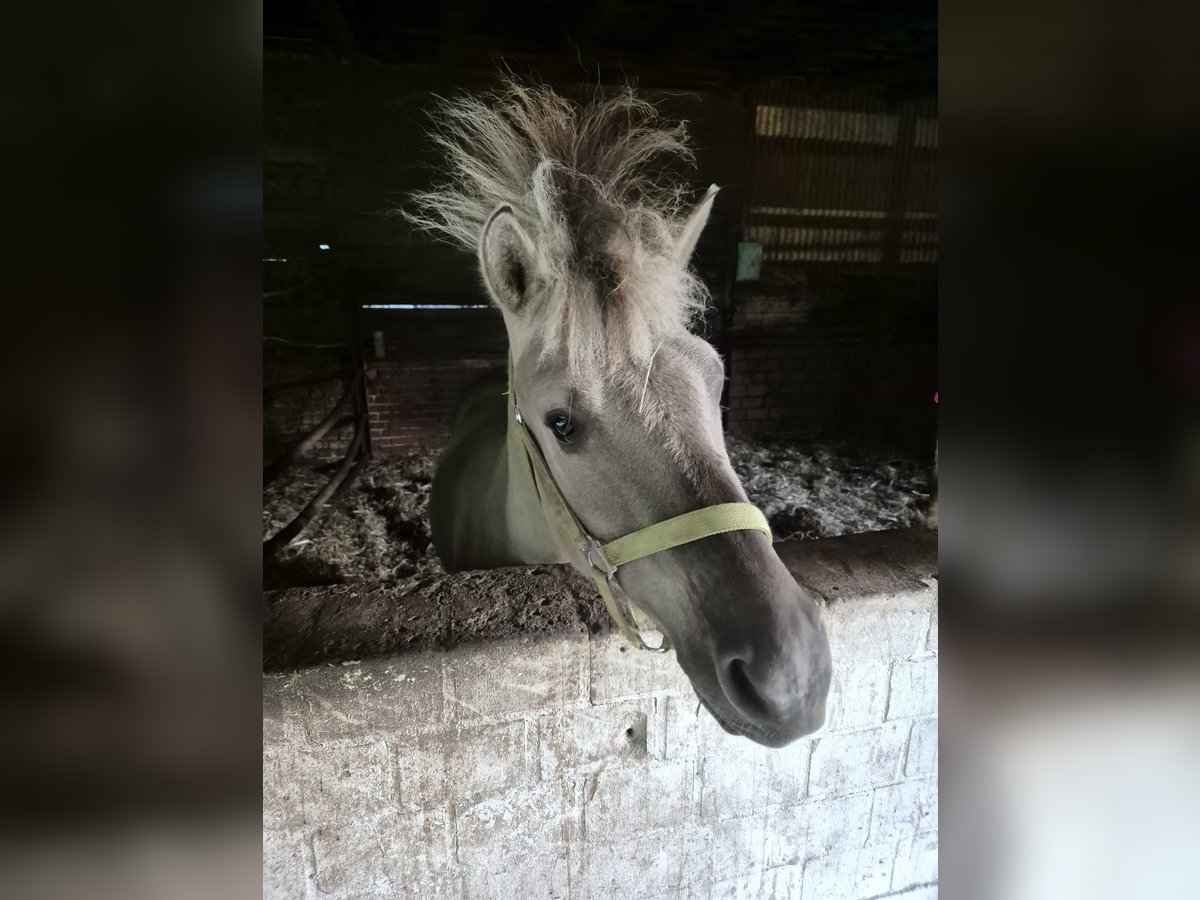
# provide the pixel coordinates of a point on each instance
(669, 404)
(662, 390)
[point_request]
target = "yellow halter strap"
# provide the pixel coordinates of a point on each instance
(605, 559)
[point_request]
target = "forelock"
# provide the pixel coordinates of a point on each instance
(594, 188)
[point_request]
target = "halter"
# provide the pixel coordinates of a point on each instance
(604, 560)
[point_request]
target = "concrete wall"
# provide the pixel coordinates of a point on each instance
(574, 767)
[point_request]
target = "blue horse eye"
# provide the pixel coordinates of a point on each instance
(562, 426)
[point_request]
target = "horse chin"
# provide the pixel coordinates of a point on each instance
(737, 729)
(766, 737)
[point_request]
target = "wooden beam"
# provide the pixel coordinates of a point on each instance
(345, 474)
(335, 417)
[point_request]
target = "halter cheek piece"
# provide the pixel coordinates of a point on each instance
(604, 560)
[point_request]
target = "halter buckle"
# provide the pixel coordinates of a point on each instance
(594, 552)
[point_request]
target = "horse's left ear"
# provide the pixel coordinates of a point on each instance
(685, 244)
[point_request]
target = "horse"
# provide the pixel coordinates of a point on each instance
(583, 239)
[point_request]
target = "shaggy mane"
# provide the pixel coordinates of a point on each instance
(591, 186)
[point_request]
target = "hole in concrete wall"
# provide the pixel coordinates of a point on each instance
(635, 734)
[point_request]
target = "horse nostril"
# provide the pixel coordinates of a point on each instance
(742, 691)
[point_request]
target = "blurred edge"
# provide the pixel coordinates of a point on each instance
(130, 559)
(1070, 332)
(1070, 449)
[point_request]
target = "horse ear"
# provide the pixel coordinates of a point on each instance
(506, 258)
(685, 244)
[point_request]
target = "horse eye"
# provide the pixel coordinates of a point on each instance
(562, 426)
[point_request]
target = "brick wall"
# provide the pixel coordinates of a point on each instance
(794, 387)
(576, 768)
(834, 355)
(795, 368)
(308, 330)
(430, 360)
(289, 414)
(781, 387)
(412, 403)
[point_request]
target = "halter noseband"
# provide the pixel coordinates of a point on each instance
(604, 560)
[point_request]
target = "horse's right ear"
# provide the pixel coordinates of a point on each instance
(685, 243)
(506, 258)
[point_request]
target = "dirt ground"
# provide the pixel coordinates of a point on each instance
(379, 530)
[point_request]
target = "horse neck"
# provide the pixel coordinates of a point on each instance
(527, 528)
